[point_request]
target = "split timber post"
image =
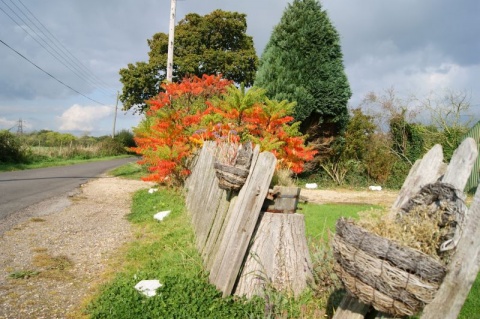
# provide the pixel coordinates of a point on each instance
(278, 257)
(463, 269)
(225, 222)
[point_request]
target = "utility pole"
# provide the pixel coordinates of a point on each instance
(171, 37)
(115, 117)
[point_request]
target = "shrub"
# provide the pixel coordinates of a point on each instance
(195, 110)
(11, 149)
(378, 158)
(126, 138)
(111, 147)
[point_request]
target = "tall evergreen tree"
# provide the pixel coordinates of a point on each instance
(303, 62)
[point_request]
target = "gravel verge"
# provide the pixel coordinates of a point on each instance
(54, 256)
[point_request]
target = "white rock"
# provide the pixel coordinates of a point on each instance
(311, 185)
(161, 215)
(152, 190)
(375, 188)
(148, 287)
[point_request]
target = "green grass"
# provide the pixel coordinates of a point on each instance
(471, 307)
(320, 219)
(130, 171)
(50, 162)
(165, 251)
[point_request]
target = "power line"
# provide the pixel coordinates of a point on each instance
(62, 48)
(52, 51)
(50, 75)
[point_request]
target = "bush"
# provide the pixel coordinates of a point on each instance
(111, 147)
(195, 110)
(398, 174)
(11, 149)
(126, 138)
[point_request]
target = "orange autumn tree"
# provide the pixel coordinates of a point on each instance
(188, 113)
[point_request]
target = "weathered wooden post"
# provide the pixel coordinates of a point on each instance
(463, 267)
(241, 223)
(278, 257)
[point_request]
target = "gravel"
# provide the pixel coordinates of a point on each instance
(59, 250)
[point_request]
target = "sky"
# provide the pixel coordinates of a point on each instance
(415, 47)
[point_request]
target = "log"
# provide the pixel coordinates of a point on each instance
(278, 258)
(241, 224)
(410, 260)
(203, 196)
(388, 284)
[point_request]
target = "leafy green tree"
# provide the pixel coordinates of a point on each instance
(210, 44)
(303, 62)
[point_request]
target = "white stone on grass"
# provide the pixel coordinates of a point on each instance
(161, 215)
(375, 188)
(152, 190)
(148, 287)
(311, 185)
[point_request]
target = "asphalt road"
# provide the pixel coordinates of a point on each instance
(21, 189)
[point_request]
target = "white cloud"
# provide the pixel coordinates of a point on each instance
(83, 118)
(7, 124)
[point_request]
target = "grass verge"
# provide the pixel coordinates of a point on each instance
(130, 171)
(7, 167)
(165, 251)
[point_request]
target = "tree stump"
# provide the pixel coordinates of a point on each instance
(278, 257)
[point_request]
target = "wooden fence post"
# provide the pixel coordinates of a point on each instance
(241, 224)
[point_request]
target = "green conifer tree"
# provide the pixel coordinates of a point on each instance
(303, 62)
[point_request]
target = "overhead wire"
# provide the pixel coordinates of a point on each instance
(60, 57)
(54, 54)
(50, 75)
(62, 48)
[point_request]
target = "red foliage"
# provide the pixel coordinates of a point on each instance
(195, 110)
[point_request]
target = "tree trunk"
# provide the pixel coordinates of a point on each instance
(278, 257)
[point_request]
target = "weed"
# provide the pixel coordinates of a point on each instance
(53, 267)
(48, 262)
(23, 274)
